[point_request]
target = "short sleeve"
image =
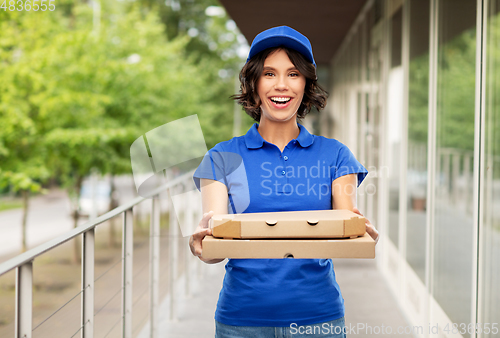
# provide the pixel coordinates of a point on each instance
(218, 165)
(211, 167)
(347, 164)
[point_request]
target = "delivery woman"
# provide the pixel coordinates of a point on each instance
(285, 169)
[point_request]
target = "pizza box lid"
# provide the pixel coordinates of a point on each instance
(289, 224)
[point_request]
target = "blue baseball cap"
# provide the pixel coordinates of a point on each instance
(282, 36)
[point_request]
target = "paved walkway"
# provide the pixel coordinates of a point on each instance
(368, 302)
(48, 217)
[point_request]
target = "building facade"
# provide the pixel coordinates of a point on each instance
(415, 93)
(415, 96)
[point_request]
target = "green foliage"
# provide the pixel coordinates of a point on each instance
(492, 99)
(212, 45)
(456, 88)
(21, 154)
(418, 99)
(75, 95)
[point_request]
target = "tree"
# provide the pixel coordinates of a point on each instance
(21, 153)
(74, 95)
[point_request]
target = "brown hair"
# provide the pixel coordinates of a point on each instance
(314, 95)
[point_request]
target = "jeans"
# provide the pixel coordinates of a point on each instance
(331, 329)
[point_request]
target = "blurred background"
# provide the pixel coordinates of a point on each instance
(413, 91)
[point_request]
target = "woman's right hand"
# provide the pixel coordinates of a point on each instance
(201, 231)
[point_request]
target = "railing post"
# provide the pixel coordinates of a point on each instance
(88, 283)
(172, 235)
(24, 300)
(127, 265)
(154, 265)
(188, 221)
(201, 265)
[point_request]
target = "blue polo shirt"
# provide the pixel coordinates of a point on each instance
(261, 178)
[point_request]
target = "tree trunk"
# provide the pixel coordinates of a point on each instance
(25, 194)
(113, 203)
(76, 217)
(136, 213)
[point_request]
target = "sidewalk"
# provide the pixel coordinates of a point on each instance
(367, 298)
(48, 217)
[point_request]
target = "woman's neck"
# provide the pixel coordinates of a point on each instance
(279, 133)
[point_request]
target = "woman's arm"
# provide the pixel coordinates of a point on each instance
(214, 201)
(344, 197)
(344, 192)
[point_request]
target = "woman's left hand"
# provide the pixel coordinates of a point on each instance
(370, 229)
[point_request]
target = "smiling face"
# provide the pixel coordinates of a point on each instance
(280, 88)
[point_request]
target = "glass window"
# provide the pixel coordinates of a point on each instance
(394, 108)
(371, 122)
(418, 101)
(453, 222)
(491, 198)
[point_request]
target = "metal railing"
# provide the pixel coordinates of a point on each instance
(23, 263)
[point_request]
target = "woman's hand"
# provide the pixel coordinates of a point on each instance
(201, 231)
(370, 229)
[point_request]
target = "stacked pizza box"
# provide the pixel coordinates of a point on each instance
(295, 234)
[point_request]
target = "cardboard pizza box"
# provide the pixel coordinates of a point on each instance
(291, 224)
(218, 248)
